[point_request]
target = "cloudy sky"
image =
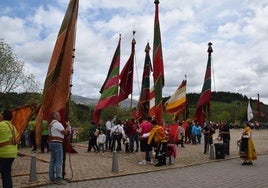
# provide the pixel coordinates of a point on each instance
(238, 30)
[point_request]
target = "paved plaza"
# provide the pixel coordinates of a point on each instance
(192, 168)
(221, 174)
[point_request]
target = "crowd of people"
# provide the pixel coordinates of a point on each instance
(154, 141)
(142, 137)
(28, 138)
(53, 134)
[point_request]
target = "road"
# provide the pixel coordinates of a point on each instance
(222, 173)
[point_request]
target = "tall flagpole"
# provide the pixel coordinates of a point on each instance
(131, 95)
(210, 50)
(203, 104)
(259, 108)
(57, 83)
(158, 67)
(144, 99)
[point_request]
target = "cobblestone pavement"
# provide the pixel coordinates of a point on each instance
(223, 174)
(83, 168)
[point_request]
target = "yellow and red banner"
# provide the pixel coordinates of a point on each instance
(177, 102)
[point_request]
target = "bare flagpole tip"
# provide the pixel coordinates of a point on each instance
(133, 40)
(210, 50)
(147, 48)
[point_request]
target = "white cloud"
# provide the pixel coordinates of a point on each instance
(237, 29)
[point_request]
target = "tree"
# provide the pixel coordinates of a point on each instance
(12, 74)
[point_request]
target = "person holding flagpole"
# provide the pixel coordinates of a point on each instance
(57, 132)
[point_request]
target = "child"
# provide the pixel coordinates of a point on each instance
(126, 142)
(101, 139)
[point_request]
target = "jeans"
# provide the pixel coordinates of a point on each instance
(116, 138)
(199, 138)
(132, 139)
(131, 143)
(226, 141)
(101, 147)
(44, 143)
(56, 159)
(207, 142)
(108, 140)
(92, 143)
(5, 168)
(32, 139)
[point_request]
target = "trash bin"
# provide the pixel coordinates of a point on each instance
(219, 150)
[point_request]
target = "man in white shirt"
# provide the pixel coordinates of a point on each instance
(117, 133)
(109, 125)
(57, 132)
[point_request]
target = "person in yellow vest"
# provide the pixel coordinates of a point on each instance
(8, 147)
(32, 125)
(44, 138)
(158, 139)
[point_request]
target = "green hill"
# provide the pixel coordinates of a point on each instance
(228, 106)
(224, 106)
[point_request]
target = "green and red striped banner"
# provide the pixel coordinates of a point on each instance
(109, 89)
(126, 76)
(143, 105)
(158, 67)
(203, 105)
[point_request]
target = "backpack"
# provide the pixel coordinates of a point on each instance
(117, 132)
(96, 133)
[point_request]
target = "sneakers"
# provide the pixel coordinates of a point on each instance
(143, 162)
(158, 164)
(247, 163)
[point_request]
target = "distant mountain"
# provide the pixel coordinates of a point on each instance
(83, 100)
(88, 101)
